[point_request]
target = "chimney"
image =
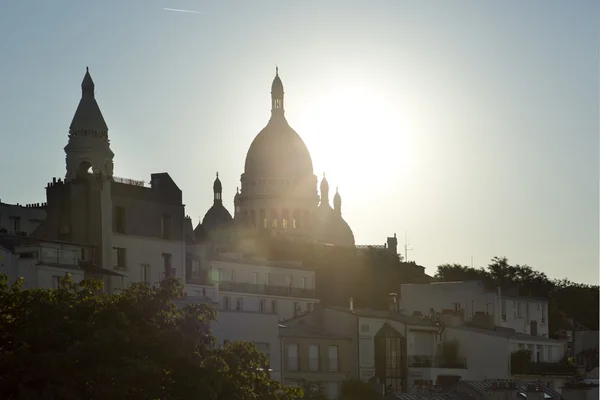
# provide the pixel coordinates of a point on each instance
(393, 302)
(392, 244)
(351, 304)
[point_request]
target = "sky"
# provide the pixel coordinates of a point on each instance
(471, 128)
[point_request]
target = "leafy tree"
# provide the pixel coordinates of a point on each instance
(72, 343)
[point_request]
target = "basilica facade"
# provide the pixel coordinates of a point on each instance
(278, 192)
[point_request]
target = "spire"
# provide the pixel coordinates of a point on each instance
(277, 95)
(337, 202)
(88, 117)
(218, 190)
(324, 191)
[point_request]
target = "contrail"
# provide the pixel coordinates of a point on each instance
(183, 11)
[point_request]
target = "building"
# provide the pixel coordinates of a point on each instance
(397, 351)
(488, 354)
(136, 229)
(315, 357)
(278, 192)
(527, 315)
(16, 219)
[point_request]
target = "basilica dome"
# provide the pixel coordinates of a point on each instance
(278, 151)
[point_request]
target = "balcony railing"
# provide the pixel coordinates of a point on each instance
(436, 362)
(241, 287)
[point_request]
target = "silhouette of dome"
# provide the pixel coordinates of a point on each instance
(277, 150)
(216, 217)
(200, 234)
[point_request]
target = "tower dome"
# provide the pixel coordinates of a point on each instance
(217, 216)
(278, 151)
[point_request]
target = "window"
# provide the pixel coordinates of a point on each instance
(120, 219)
(310, 307)
(288, 280)
(173, 273)
(313, 357)
(232, 275)
(284, 223)
(226, 302)
(296, 308)
(515, 309)
(16, 224)
(366, 351)
(543, 313)
(274, 306)
(304, 282)
(264, 348)
(56, 281)
(503, 310)
(292, 357)
(332, 352)
(526, 311)
(262, 305)
(165, 227)
(167, 265)
(294, 223)
(364, 328)
(146, 274)
(274, 223)
(255, 278)
(519, 310)
(239, 304)
(120, 257)
(456, 306)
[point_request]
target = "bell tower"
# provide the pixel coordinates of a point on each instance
(88, 150)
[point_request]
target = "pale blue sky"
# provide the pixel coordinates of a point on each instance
(474, 126)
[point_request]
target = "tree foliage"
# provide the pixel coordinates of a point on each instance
(72, 343)
(565, 298)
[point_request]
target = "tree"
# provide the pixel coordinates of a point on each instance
(71, 343)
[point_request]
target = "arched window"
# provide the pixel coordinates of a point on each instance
(285, 216)
(274, 223)
(296, 219)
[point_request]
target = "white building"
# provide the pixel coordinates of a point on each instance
(42, 263)
(523, 314)
(488, 353)
(21, 220)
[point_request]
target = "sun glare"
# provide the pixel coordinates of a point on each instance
(355, 135)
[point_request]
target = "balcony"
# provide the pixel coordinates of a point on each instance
(436, 362)
(240, 287)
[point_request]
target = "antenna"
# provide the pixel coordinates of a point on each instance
(407, 247)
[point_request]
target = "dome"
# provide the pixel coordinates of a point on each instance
(331, 228)
(277, 150)
(200, 234)
(216, 217)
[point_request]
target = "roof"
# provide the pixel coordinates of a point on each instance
(483, 386)
(427, 396)
(216, 217)
(506, 333)
(302, 330)
(384, 314)
(88, 115)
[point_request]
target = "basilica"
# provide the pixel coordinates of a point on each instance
(278, 191)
